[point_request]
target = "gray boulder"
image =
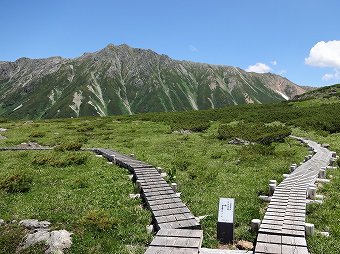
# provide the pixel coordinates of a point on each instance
(33, 224)
(41, 235)
(238, 141)
(58, 241)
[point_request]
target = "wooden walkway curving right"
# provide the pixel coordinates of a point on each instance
(282, 230)
(178, 230)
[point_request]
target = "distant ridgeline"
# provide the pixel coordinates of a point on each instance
(125, 80)
(327, 92)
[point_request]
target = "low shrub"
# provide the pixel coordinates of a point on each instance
(85, 128)
(69, 146)
(11, 236)
(59, 159)
(17, 183)
(195, 126)
(216, 155)
(37, 135)
(99, 220)
(80, 183)
(254, 132)
(181, 164)
(257, 149)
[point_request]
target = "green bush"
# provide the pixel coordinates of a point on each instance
(69, 146)
(216, 155)
(195, 126)
(55, 159)
(85, 128)
(18, 183)
(254, 132)
(37, 135)
(80, 183)
(99, 220)
(257, 149)
(11, 236)
(181, 164)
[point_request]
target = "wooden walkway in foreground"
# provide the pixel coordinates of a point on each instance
(178, 230)
(282, 230)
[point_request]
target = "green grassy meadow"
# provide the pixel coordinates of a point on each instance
(82, 193)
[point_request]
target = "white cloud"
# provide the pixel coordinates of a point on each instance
(330, 76)
(325, 54)
(192, 48)
(274, 62)
(259, 68)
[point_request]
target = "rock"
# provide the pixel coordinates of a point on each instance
(244, 245)
(2, 137)
(325, 145)
(238, 141)
(13, 221)
(183, 132)
(33, 224)
(3, 129)
(41, 235)
(2, 222)
(58, 241)
(325, 234)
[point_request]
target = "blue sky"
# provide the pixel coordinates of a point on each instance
(262, 35)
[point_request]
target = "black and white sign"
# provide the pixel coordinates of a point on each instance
(225, 224)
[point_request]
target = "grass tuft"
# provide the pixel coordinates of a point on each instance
(58, 159)
(99, 220)
(69, 146)
(17, 183)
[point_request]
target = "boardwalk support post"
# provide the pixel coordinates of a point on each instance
(138, 186)
(272, 187)
(174, 187)
(159, 170)
(273, 182)
(255, 225)
(309, 228)
(322, 173)
(292, 168)
(311, 191)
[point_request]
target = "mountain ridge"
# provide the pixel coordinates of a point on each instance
(124, 80)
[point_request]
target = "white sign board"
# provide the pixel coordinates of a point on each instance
(226, 210)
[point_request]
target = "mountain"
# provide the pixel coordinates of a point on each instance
(125, 80)
(326, 92)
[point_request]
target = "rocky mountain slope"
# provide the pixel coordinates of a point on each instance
(326, 92)
(125, 80)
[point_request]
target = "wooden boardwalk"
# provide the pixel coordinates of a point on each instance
(178, 230)
(282, 230)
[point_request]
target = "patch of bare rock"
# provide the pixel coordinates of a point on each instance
(183, 132)
(238, 141)
(56, 241)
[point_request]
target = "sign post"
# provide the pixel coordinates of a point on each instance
(225, 222)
